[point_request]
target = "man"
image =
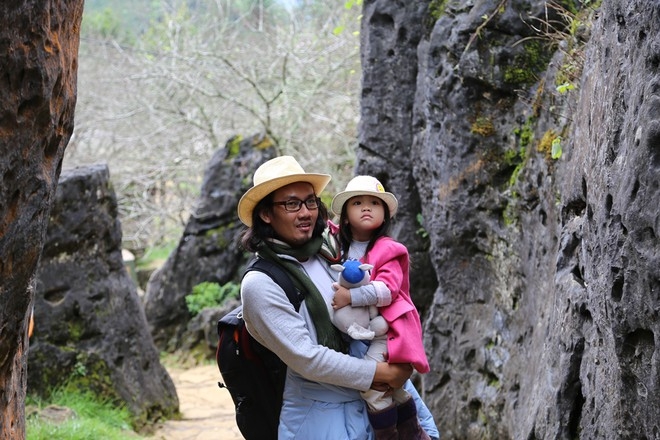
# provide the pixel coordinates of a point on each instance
(286, 220)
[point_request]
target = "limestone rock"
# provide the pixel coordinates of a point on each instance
(90, 329)
(390, 37)
(544, 321)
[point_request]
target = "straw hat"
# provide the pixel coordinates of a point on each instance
(272, 175)
(364, 186)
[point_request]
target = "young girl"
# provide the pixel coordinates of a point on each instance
(365, 211)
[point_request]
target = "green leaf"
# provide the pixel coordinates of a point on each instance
(556, 148)
(564, 88)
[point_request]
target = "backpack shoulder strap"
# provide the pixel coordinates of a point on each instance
(280, 277)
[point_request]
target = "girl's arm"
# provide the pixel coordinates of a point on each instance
(389, 259)
(375, 293)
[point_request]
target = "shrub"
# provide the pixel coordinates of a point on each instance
(207, 294)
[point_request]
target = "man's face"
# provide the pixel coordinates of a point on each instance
(294, 228)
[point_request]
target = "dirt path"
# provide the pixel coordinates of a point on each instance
(208, 412)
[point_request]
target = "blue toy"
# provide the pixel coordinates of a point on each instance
(358, 322)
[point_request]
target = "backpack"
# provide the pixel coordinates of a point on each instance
(253, 374)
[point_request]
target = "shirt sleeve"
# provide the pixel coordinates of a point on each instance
(272, 320)
(375, 293)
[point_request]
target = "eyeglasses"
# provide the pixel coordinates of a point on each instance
(294, 205)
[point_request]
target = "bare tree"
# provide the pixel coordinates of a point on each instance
(157, 110)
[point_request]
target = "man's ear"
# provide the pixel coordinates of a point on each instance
(265, 215)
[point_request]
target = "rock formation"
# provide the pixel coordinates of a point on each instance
(544, 319)
(389, 41)
(90, 330)
(39, 60)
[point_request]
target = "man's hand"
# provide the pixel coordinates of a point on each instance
(392, 375)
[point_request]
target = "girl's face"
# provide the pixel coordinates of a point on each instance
(365, 214)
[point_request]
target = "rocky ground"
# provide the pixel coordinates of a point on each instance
(208, 412)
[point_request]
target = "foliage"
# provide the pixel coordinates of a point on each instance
(556, 148)
(104, 23)
(527, 64)
(483, 126)
(525, 133)
(207, 294)
(348, 5)
(94, 418)
(565, 87)
(550, 145)
(437, 9)
(121, 21)
(566, 26)
(421, 231)
(499, 9)
(517, 159)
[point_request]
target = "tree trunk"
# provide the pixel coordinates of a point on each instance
(38, 65)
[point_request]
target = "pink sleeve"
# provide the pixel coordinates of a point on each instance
(388, 258)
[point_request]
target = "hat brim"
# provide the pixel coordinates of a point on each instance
(342, 197)
(255, 194)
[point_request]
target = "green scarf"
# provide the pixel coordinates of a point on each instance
(326, 332)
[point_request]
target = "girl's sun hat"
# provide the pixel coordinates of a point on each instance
(364, 186)
(272, 175)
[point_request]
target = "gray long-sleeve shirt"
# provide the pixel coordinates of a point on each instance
(272, 320)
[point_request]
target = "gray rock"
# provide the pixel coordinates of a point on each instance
(390, 35)
(200, 340)
(543, 324)
(90, 330)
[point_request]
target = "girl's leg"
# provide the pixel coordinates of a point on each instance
(408, 425)
(383, 411)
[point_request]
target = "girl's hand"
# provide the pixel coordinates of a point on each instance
(342, 296)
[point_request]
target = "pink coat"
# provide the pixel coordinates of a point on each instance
(404, 338)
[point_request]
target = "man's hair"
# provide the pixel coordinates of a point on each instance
(260, 230)
(346, 233)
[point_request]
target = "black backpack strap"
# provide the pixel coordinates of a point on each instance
(282, 279)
